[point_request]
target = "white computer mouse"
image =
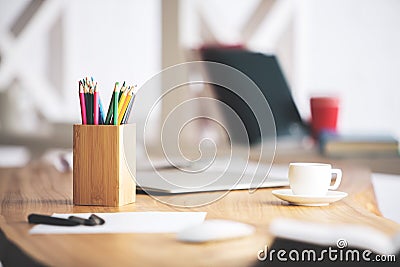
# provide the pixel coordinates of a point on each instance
(213, 230)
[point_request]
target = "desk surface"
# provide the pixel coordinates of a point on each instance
(41, 189)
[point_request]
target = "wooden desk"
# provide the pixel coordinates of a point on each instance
(41, 189)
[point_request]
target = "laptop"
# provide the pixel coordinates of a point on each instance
(265, 72)
(222, 175)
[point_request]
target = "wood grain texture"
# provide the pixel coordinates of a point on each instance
(39, 188)
(100, 174)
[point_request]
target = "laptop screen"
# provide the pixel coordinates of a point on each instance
(265, 72)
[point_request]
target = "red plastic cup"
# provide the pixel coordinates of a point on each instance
(324, 114)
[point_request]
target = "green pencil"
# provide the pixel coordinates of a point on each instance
(110, 106)
(115, 106)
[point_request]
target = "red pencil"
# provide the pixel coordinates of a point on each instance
(82, 101)
(96, 105)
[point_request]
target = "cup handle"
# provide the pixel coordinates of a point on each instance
(338, 173)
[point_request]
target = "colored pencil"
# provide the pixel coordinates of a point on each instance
(83, 103)
(125, 105)
(110, 107)
(131, 102)
(90, 120)
(101, 111)
(128, 110)
(121, 101)
(89, 102)
(95, 105)
(119, 109)
(86, 92)
(121, 91)
(115, 106)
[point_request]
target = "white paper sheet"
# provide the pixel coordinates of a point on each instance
(386, 188)
(127, 222)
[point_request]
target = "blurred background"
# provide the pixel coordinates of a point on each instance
(338, 48)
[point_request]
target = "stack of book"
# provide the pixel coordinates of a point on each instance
(342, 145)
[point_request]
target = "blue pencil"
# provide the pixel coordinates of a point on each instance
(101, 111)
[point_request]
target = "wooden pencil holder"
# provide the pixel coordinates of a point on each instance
(101, 175)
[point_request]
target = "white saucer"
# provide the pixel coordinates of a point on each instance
(307, 200)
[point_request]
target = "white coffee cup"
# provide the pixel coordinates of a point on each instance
(313, 179)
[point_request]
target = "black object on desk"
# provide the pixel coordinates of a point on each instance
(45, 219)
(82, 221)
(71, 221)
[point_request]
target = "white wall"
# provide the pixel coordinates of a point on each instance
(348, 48)
(109, 40)
(113, 41)
(351, 49)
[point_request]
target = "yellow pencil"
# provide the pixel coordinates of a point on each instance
(122, 99)
(126, 103)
